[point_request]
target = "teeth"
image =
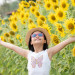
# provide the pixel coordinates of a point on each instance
(37, 39)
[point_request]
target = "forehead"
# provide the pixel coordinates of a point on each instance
(36, 32)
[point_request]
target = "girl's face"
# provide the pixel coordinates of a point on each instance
(37, 37)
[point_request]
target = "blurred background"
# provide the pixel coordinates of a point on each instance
(18, 16)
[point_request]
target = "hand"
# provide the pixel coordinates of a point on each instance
(72, 38)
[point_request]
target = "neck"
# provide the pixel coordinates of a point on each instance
(38, 48)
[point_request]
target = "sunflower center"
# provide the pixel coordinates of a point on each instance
(37, 14)
(11, 41)
(55, 6)
(33, 4)
(42, 19)
(25, 3)
(60, 28)
(22, 15)
(48, 5)
(7, 35)
(63, 5)
(30, 21)
(14, 26)
(71, 26)
(15, 19)
(54, 0)
(60, 14)
(53, 18)
(22, 8)
(12, 33)
(24, 22)
(56, 39)
(27, 16)
(33, 10)
(41, 23)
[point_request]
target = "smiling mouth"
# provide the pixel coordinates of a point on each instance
(37, 39)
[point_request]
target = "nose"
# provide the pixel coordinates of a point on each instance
(37, 36)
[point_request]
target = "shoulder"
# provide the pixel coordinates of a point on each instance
(28, 53)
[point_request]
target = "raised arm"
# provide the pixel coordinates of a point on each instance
(19, 50)
(60, 46)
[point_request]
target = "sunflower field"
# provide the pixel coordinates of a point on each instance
(57, 17)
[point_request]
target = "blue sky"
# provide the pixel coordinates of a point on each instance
(1, 1)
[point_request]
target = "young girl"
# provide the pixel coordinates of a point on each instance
(39, 56)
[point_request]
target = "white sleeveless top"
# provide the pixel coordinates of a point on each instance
(38, 63)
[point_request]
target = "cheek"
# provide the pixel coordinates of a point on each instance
(42, 38)
(32, 39)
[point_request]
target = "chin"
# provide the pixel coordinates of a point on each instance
(37, 43)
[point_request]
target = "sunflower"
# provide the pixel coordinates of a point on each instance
(37, 14)
(12, 33)
(6, 35)
(40, 22)
(55, 39)
(23, 22)
(22, 2)
(30, 26)
(10, 18)
(70, 25)
(33, 9)
(3, 22)
(26, 4)
(46, 26)
(21, 8)
(11, 41)
(46, 0)
(43, 18)
(26, 15)
(15, 18)
(55, 7)
(18, 12)
(2, 38)
(60, 14)
(20, 40)
(54, 2)
(39, 2)
(52, 18)
(17, 36)
(30, 21)
(32, 3)
(73, 51)
(64, 5)
(60, 29)
(73, 2)
(13, 26)
(13, 13)
(22, 15)
(47, 5)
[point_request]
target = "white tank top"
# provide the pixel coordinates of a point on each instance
(38, 63)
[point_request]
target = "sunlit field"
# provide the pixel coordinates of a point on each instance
(57, 17)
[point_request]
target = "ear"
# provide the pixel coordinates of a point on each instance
(44, 41)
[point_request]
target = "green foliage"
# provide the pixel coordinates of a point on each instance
(11, 63)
